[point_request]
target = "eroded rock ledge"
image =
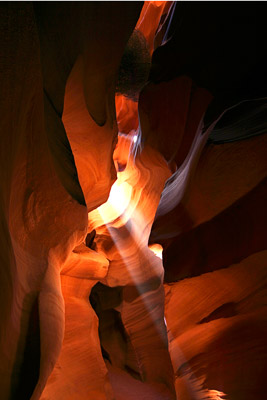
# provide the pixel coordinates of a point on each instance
(133, 234)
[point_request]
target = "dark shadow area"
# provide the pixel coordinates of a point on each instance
(115, 343)
(29, 370)
(226, 310)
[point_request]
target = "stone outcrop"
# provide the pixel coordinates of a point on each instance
(133, 234)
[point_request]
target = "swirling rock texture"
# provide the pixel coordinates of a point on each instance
(155, 289)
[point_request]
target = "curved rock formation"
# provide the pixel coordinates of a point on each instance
(133, 233)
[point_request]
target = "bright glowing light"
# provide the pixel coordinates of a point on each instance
(216, 395)
(135, 138)
(157, 249)
(120, 196)
(118, 201)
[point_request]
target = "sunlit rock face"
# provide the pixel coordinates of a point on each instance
(122, 231)
(133, 233)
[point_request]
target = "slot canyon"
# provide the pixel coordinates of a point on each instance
(133, 200)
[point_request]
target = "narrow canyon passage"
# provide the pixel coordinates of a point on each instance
(133, 201)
